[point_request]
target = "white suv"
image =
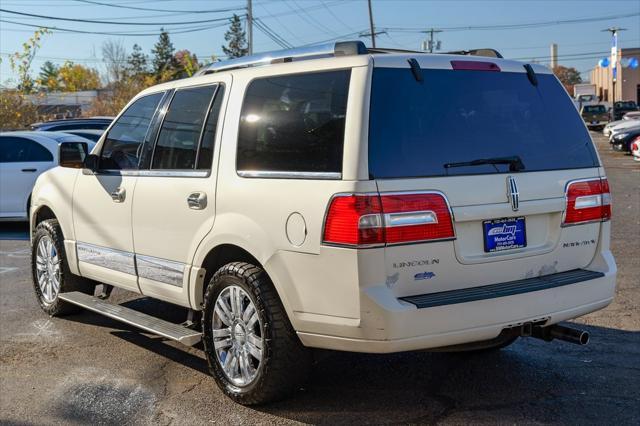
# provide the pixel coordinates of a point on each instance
(340, 198)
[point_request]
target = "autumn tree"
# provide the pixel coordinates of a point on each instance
(187, 63)
(16, 111)
(20, 62)
(75, 77)
(235, 37)
(163, 60)
(48, 79)
(568, 76)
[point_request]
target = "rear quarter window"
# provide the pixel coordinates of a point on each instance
(415, 128)
(294, 123)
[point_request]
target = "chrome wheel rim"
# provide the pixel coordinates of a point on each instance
(48, 269)
(237, 336)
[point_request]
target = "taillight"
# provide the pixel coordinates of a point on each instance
(587, 201)
(375, 220)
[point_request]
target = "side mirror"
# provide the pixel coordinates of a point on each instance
(91, 162)
(72, 154)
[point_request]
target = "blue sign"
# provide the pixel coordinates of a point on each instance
(504, 234)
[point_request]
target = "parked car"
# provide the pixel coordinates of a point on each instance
(99, 123)
(304, 199)
(24, 155)
(620, 108)
(627, 117)
(623, 127)
(595, 116)
(91, 134)
(635, 148)
(622, 141)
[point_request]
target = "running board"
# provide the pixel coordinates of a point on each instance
(137, 319)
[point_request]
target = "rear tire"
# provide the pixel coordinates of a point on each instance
(253, 351)
(50, 270)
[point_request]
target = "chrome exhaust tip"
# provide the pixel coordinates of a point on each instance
(567, 334)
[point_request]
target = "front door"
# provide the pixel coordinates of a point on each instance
(102, 201)
(174, 201)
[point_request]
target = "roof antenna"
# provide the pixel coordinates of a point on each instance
(415, 69)
(531, 74)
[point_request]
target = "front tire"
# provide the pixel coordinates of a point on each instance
(50, 270)
(253, 352)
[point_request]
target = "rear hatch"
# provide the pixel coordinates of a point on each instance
(501, 147)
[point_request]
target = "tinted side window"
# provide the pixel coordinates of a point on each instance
(178, 139)
(15, 150)
(121, 148)
(294, 123)
(205, 157)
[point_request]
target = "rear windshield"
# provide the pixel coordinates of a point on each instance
(595, 108)
(415, 128)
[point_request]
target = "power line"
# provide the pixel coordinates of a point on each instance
(95, 21)
(520, 25)
(120, 34)
(120, 6)
(271, 34)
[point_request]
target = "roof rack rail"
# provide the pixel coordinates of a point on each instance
(491, 53)
(342, 48)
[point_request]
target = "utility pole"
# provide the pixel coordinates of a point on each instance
(372, 28)
(430, 43)
(250, 26)
(614, 60)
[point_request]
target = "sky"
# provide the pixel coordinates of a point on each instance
(199, 26)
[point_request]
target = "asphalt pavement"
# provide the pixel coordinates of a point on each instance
(87, 369)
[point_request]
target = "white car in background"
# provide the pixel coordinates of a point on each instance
(627, 119)
(23, 157)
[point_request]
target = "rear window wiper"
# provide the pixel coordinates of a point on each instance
(515, 163)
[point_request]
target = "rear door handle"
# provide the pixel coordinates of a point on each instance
(29, 170)
(118, 195)
(197, 200)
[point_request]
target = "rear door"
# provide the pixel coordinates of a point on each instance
(437, 135)
(174, 202)
(21, 162)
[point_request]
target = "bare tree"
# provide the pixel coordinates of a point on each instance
(114, 56)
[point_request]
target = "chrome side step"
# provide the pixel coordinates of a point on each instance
(137, 319)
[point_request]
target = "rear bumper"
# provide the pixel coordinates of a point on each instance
(394, 325)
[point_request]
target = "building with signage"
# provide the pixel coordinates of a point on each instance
(627, 85)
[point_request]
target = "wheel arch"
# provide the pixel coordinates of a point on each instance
(227, 252)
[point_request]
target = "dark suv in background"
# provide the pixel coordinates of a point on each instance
(621, 108)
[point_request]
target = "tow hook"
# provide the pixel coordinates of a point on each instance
(567, 334)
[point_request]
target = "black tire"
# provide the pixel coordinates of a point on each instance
(285, 362)
(68, 281)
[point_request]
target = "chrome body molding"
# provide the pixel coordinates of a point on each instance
(290, 175)
(118, 260)
(161, 270)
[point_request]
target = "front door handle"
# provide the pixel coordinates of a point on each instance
(197, 200)
(118, 195)
(29, 170)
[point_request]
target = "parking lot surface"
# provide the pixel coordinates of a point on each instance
(89, 369)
